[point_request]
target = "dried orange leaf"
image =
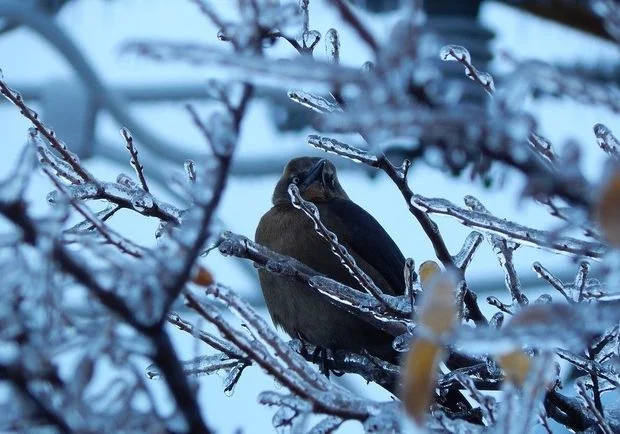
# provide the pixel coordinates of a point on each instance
(420, 378)
(516, 365)
(437, 316)
(437, 310)
(203, 277)
(608, 210)
(427, 270)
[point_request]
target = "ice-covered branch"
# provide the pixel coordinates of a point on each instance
(503, 248)
(341, 252)
(163, 353)
(109, 235)
(581, 289)
(251, 68)
(363, 305)
(602, 423)
(464, 257)
(510, 230)
(135, 162)
(292, 371)
(314, 102)
(461, 55)
(399, 176)
(607, 141)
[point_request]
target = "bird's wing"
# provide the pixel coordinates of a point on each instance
(367, 238)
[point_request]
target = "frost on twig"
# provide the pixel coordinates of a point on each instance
(314, 102)
(542, 326)
(504, 250)
(514, 231)
(464, 257)
(607, 141)
(583, 288)
(365, 306)
(461, 55)
(309, 390)
(135, 162)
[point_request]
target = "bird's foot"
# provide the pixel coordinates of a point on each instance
(324, 358)
(320, 355)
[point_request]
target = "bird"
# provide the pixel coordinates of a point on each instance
(300, 310)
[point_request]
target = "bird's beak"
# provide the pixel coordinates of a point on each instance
(315, 173)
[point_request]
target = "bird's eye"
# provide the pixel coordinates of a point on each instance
(295, 179)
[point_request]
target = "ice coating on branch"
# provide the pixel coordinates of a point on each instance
(78, 192)
(142, 201)
(255, 69)
(232, 378)
(465, 255)
(311, 38)
(332, 45)
(542, 326)
(339, 148)
(516, 232)
(314, 102)
(327, 426)
(460, 54)
(485, 78)
(51, 160)
(126, 181)
(452, 53)
(607, 141)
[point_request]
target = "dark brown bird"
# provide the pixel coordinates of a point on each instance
(299, 309)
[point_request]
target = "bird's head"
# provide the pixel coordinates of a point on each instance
(316, 179)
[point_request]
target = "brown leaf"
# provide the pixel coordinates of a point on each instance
(437, 316)
(516, 365)
(437, 310)
(203, 277)
(608, 210)
(420, 378)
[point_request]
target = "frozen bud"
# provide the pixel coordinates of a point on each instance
(454, 53)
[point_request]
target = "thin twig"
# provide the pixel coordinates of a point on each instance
(33, 117)
(135, 162)
(113, 238)
(600, 419)
(340, 251)
(399, 177)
